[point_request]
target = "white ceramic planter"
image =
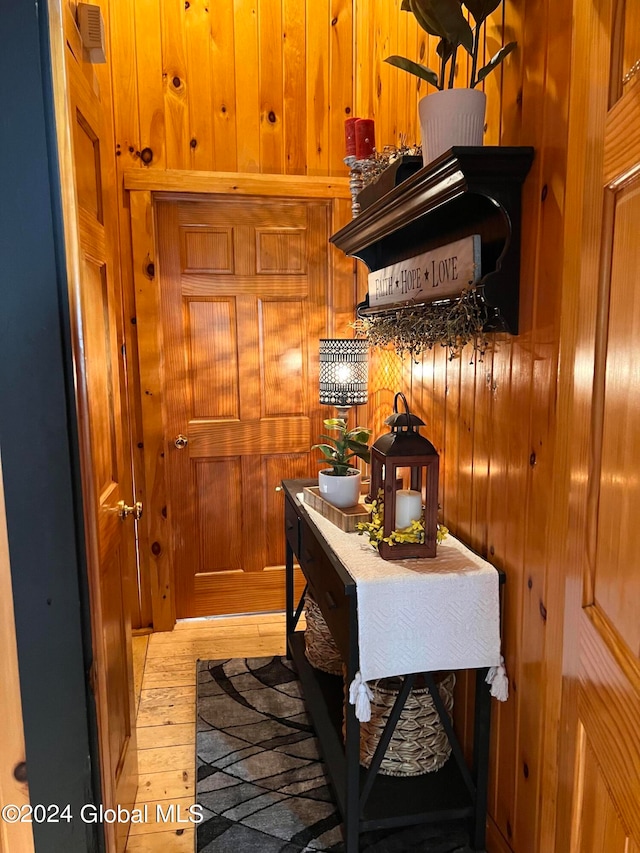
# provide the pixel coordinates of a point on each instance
(342, 492)
(451, 117)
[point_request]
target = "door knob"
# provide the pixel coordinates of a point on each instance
(124, 511)
(181, 442)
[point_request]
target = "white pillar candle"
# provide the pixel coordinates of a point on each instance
(408, 507)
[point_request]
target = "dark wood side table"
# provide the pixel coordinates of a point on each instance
(368, 800)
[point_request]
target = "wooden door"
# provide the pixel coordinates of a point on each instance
(600, 801)
(88, 178)
(243, 303)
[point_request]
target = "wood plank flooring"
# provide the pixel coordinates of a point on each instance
(165, 681)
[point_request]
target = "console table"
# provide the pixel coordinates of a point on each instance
(368, 800)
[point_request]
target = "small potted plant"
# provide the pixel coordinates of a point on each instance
(451, 116)
(340, 483)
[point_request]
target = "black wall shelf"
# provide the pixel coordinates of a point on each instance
(465, 191)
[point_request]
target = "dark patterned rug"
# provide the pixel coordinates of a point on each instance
(260, 779)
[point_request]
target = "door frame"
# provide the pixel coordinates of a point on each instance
(156, 567)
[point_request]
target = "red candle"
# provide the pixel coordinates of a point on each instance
(350, 136)
(365, 138)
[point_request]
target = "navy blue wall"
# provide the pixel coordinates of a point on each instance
(39, 453)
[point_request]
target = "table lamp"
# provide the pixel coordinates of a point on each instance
(344, 373)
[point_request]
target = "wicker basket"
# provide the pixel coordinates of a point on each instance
(320, 648)
(419, 743)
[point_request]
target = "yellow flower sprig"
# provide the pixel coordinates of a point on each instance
(413, 534)
(374, 527)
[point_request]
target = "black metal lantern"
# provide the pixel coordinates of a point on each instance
(398, 457)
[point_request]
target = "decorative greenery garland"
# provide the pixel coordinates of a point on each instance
(413, 331)
(371, 169)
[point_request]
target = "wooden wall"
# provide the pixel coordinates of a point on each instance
(265, 85)
(233, 85)
(493, 420)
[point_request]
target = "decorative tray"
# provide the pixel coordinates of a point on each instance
(345, 519)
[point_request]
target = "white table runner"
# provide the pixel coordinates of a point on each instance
(420, 615)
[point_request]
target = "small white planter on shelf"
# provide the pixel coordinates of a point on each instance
(451, 117)
(342, 492)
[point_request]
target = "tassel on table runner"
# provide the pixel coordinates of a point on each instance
(360, 695)
(499, 682)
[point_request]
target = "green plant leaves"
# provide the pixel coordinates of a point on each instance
(424, 20)
(340, 450)
(444, 18)
(414, 68)
(481, 9)
(444, 49)
(326, 450)
(496, 60)
(359, 435)
(360, 450)
(329, 438)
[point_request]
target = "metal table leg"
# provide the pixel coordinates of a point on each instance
(289, 597)
(481, 747)
(352, 745)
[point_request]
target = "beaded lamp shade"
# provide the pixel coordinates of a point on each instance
(344, 372)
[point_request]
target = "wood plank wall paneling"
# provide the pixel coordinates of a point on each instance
(493, 421)
(198, 41)
(178, 137)
(225, 93)
(265, 86)
(235, 85)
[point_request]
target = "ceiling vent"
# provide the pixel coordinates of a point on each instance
(91, 28)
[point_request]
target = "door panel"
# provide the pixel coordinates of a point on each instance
(97, 335)
(219, 494)
(243, 294)
(631, 40)
(213, 369)
(283, 357)
(609, 713)
(602, 626)
(617, 579)
(598, 819)
(99, 345)
(281, 250)
(207, 249)
(115, 647)
(284, 466)
(88, 174)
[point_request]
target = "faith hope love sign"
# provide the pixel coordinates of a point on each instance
(439, 274)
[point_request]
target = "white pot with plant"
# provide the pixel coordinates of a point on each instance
(339, 484)
(451, 116)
